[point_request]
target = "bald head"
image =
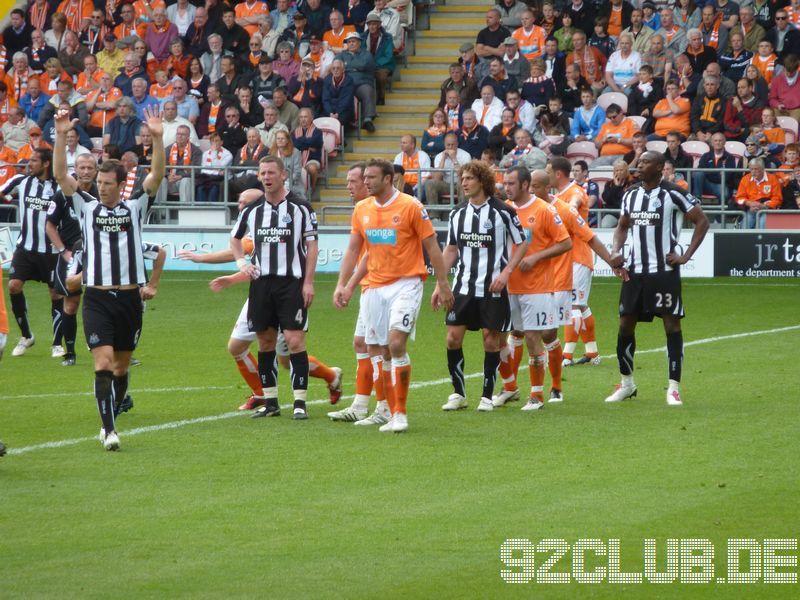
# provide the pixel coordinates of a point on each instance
(656, 158)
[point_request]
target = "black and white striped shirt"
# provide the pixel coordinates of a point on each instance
(483, 235)
(656, 219)
(112, 240)
(279, 235)
(62, 214)
(33, 196)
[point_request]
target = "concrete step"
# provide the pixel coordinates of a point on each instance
(356, 156)
(439, 62)
(424, 86)
(434, 47)
(463, 8)
(408, 110)
(457, 22)
(403, 97)
(426, 74)
(362, 146)
(457, 35)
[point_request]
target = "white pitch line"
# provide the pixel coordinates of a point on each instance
(414, 385)
(85, 393)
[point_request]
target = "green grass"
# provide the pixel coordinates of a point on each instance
(235, 507)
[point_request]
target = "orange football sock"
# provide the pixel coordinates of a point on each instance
(588, 334)
(363, 375)
(570, 341)
(317, 368)
(401, 378)
(516, 344)
(554, 358)
(536, 371)
(388, 386)
(248, 368)
(506, 369)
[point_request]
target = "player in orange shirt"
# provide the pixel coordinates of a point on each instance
(573, 273)
(529, 287)
(357, 412)
(242, 337)
(395, 228)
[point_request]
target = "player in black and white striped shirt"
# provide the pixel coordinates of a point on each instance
(480, 238)
(113, 265)
(34, 258)
(284, 260)
(653, 212)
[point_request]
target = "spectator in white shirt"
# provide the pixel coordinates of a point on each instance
(488, 108)
(211, 175)
(415, 163)
(451, 158)
(622, 69)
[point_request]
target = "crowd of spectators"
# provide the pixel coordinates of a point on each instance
(716, 71)
(230, 78)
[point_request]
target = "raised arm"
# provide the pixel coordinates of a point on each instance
(156, 175)
(62, 125)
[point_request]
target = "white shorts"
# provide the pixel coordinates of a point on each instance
(562, 307)
(581, 284)
(361, 324)
(532, 312)
(242, 332)
(394, 306)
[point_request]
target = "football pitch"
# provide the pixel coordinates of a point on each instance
(203, 502)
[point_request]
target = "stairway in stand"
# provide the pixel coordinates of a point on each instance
(411, 100)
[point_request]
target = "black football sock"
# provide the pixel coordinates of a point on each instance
(268, 372)
(70, 328)
(455, 364)
(104, 394)
(20, 309)
(491, 361)
(120, 387)
(626, 347)
(298, 367)
(57, 311)
(675, 354)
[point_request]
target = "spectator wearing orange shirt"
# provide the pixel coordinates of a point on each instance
(764, 60)
(334, 37)
(7, 102)
(7, 158)
(758, 191)
(615, 139)
(36, 142)
(248, 14)
(591, 61)
(89, 78)
(78, 13)
(101, 105)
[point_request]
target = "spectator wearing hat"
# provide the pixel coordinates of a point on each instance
(35, 142)
(234, 36)
(38, 52)
(337, 93)
(34, 100)
(651, 17)
(514, 63)
(305, 89)
(265, 81)
(465, 88)
(390, 20)
(475, 69)
(360, 65)
(322, 57)
(381, 46)
(490, 39)
(355, 13)
(298, 34)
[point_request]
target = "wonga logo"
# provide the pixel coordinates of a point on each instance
(382, 236)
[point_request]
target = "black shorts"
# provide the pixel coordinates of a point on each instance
(492, 313)
(65, 269)
(112, 318)
(651, 295)
(276, 302)
(32, 266)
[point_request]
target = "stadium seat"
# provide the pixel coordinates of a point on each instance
(736, 148)
(695, 149)
(332, 135)
(582, 151)
(789, 126)
(601, 177)
(618, 98)
(203, 144)
(640, 121)
(97, 146)
(657, 146)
